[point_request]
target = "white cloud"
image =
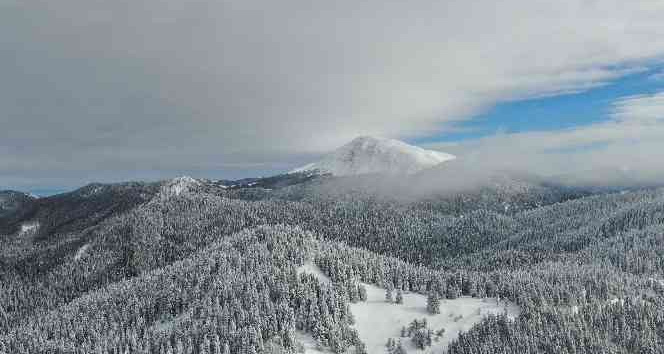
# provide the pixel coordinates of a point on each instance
(171, 85)
(632, 140)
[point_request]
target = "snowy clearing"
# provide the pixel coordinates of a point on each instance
(311, 268)
(377, 320)
(309, 344)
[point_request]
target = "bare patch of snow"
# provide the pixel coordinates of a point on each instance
(377, 320)
(29, 228)
(616, 300)
(311, 268)
(167, 325)
(81, 252)
(575, 310)
(309, 344)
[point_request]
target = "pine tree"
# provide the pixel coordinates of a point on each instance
(388, 295)
(362, 291)
(433, 304)
(400, 348)
(217, 344)
(390, 345)
(360, 348)
(399, 297)
(404, 332)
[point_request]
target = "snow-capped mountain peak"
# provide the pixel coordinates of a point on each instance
(367, 154)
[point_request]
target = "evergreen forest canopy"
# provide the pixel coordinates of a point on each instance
(209, 267)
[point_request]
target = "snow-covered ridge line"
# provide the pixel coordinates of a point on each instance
(365, 155)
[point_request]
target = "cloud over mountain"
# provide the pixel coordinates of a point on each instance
(162, 87)
(629, 143)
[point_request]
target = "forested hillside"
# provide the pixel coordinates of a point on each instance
(203, 267)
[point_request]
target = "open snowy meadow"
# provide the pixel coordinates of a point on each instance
(377, 320)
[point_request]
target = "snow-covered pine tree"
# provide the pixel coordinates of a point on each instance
(433, 303)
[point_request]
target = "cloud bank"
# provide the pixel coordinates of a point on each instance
(628, 148)
(98, 90)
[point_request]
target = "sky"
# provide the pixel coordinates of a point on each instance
(95, 90)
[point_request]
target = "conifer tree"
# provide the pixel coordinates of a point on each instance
(388, 295)
(433, 303)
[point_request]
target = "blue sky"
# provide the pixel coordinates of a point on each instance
(553, 113)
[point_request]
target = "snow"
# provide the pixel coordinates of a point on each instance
(575, 310)
(167, 325)
(616, 300)
(377, 320)
(81, 252)
(366, 155)
(31, 195)
(29, 228)
(311, 268)
(660, 282)
(309, 344)
(89, 192)
(179, 185)
(455, 316)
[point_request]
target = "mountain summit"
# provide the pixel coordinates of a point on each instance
(376, 155)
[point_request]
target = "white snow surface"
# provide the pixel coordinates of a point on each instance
(81, 252)
(311, 268)
(616, 300)
(179, 185)
(366, 155)
(29, 228)
(309, 344)
(377, 320)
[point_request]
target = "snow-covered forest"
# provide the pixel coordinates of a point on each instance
(195, 266)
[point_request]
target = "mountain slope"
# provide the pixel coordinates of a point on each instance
(366, 155)
(14, 206)
(197, 272)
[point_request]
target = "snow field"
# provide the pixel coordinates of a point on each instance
(377, 320)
